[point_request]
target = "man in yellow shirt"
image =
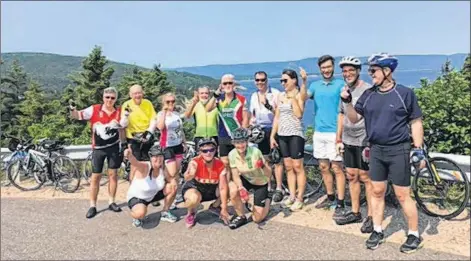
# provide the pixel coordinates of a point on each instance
(139, 119)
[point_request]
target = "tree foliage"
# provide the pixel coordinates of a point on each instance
(13, 87)
(445, 105)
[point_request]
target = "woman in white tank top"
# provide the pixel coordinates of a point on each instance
(149, 185)
(289, 127)
(172, 138)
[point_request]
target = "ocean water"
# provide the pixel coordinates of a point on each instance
(407, 78)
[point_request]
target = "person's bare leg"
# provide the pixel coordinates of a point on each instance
(112, 184)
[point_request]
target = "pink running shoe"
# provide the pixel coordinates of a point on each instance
(190, 220)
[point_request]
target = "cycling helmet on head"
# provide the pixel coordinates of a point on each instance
(256, 134)
(383, 60)
(240, 134)
(155, 150)
(275, 156)
(206, 141)
(350, 60)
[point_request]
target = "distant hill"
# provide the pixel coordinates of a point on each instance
(274, 69)
(51, 70)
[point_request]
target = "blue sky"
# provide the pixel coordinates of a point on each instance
(199, 33)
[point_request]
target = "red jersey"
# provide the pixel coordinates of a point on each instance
(104, 131)
(208, 175)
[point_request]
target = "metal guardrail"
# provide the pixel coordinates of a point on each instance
(81, 152)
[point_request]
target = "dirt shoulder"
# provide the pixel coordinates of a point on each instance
(448, 236)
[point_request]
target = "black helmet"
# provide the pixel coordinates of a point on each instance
(206, 141)
(240, 134)
(256, 134)
(275, 156)
(155, 150)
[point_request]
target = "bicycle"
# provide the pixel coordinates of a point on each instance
(17, 147)
(437, 178)
(42, 164)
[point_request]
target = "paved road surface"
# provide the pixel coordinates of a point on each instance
(58, 229)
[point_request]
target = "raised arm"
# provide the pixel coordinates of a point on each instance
(85, 114)
(161, 119)
(189, 111)
(298, 105)
(138, 165)
(303, 91)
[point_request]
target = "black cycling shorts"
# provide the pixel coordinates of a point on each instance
(140, 150)
(207, 191)
(197, 139)
(352, 157)
(260, 193)
(291, 146)
(391, 162)
(264, 145)
(174, 152)
(134, 201)
(112, 156)
(225, 146)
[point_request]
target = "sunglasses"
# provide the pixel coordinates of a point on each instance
(283, 81)
(110, 97)
(372, 71)
(208, 150)
(169, 102)
(261, 80)
(227, 83)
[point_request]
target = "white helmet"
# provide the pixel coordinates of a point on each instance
(350, 60)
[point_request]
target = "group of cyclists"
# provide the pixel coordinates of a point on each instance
(360, 127)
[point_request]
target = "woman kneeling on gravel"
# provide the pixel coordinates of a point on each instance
(150, 185)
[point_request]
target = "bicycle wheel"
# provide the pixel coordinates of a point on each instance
(446, 197)
(66, 174)
(87, 171)
(313, 175)
(22, 178)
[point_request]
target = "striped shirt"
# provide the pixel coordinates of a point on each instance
(289, 124)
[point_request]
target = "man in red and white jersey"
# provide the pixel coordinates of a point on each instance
(104, 119)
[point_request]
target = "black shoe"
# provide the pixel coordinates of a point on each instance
(375, 240)
(367, 226)
(91, 212)
(412, 244)
(339, 213)
(238, 222)
(156, 203)
(348, 218)
(114, 207)
(277, 196)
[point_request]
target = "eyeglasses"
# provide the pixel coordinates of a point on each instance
(282, 81)
(227, 83)
(169, 102)
(110, 97)
(208, 150)
(261, 80)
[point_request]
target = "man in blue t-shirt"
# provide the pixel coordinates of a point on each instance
(326, 95)
(389, 110)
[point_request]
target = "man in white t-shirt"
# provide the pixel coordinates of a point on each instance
(262, 107)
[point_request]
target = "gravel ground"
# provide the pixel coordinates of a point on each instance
(28, 227)
(57, 229)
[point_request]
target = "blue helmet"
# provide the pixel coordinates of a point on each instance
(383, 60)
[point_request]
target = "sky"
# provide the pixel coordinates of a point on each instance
(177, 34)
